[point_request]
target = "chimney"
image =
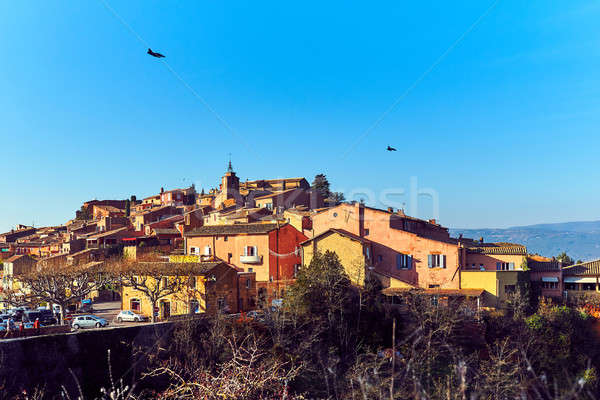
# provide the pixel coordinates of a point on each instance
(432, 221)
(162, 190)
(390, 209)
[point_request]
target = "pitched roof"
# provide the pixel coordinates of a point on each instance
(108, 233)
(14, 258)
(235, 229)
(166, 231)
(496, 248)
(275, 194)
(538, 266)
(342, 232)
(586, 268)
(199, 268)
(299, 211)
(275, 180)
(435, 292)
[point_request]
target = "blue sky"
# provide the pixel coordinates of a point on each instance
(504, 129)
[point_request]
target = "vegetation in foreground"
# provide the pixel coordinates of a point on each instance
(333, 341)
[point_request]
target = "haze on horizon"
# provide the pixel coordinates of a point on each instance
(503, 129)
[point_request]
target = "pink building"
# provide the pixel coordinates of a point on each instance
(435, 258)
(546, 275)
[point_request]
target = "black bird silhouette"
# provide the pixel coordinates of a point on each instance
(390, 149)
(153, 54)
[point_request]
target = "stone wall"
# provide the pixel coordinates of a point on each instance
(51, 361)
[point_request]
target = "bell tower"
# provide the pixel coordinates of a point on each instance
(230, 186)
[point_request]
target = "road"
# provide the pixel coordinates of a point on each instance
(109, 310)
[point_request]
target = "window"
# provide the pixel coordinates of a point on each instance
(192, 282)
(366, 232)
(229, 256)
(194, 307)
(250, 269)
(434, 286)
(248, 283)
(194, 250)
(224, 238)
(504, 266)
(368, 252)
(250, 250)
(296, 269)
(207, 251)
(588, 286)
(335, 215)
(436, 261)
(550, 285)
(165, 282)
(570, 286)
(481, 267)
(380, 258)
(403, 261)
(135, 305)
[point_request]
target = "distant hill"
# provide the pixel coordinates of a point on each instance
(580, 240)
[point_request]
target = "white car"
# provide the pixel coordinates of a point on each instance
(127, 315)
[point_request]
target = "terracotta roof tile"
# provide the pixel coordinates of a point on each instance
(210, 230)
(496, 248)
(586, 268)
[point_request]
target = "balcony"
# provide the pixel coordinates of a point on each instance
(254, 259)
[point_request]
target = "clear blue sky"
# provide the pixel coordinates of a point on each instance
(504, 128)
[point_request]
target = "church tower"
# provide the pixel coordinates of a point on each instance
(230, 187)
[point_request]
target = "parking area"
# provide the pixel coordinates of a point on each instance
(109, 310)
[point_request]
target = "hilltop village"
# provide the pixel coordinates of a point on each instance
(254, 236)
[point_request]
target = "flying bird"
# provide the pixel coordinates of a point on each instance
(153, 54)
(390, 149)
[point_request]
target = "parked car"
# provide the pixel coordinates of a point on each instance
(88, 321)
(127, 315)
(47, 317)
(17, 312)
(31, 316)
(84, 309)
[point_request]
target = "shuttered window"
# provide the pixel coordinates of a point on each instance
(403, 261)
(436, 261)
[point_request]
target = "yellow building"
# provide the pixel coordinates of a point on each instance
(298, 217)
(11, 269)
(497, 285)
(182, 287)
(353, 251)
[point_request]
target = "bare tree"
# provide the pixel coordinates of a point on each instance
(155, 280)
(249, 373)
(61, 285)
